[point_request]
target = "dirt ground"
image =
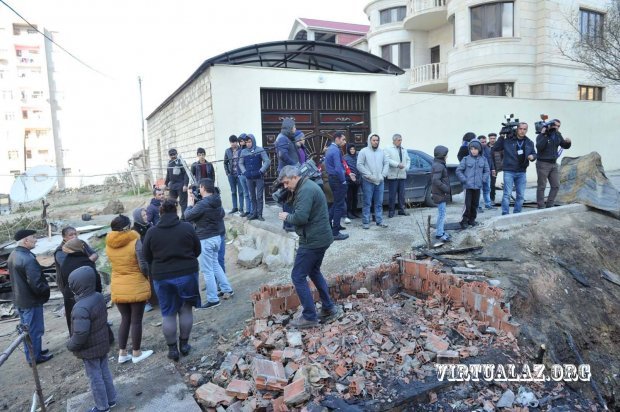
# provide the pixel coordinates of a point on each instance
(545, 299)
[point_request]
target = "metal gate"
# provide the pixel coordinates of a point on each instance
(318, 114)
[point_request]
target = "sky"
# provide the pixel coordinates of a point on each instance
(163, 42)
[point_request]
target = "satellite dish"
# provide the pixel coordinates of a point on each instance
(33, 185)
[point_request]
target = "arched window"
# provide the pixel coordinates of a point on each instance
(301, 35)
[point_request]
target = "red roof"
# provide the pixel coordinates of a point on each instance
(335, 25)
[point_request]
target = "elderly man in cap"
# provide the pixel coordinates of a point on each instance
(30, 291)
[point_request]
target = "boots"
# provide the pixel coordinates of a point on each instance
(173, 352)
(184, 347)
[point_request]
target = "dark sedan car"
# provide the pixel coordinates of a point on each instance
(418, 184)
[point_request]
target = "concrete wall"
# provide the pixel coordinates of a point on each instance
(206, 116)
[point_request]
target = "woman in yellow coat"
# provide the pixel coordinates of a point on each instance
(129, 286)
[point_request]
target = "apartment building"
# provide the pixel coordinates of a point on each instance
(483, 47)
(28, 136)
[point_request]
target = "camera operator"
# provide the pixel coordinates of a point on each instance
(547, 143)
(310, 218)
(518, 152)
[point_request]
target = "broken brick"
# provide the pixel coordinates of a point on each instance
(278, 405)
(239, 388)
(212, 395)
(435, 344)
(357, 386)
(268, 375)
(195, 379)
(296, 393)
(448, 356)
(362, 293)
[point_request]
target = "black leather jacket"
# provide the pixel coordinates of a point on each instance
(29, 285)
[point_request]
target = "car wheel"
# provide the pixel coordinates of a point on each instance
(428, 199)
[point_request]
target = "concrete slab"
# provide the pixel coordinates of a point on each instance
(139, 392)
(534, 216)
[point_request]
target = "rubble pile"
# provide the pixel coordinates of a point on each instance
(379, 344)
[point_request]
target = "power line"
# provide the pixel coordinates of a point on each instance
(52, 40)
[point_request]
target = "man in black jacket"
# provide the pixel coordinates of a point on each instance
(518, 152)
(208, 216)
(177, 180)
(546, 167)
(30, 291)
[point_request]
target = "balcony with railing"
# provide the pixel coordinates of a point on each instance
(426, 14)
(429, 78)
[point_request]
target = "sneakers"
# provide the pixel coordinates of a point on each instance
(402, 213)
(328, 316)
(244, 214)
(235, 210)
(228, 295)
(382, 224)
(472, 224)
(365, 226)
(210, 305)
(145, 354)
(42, 359)
(347, 220)
(463, 225)
(262, 219)
(148, 307)
(253, 217)
(95, 409)
(124, 358)
(112, 404)
(341, 236)
(303, 323)
(490, 207)
(444, 238)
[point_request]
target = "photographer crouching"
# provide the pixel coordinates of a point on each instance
(547, 143)
(311, 221)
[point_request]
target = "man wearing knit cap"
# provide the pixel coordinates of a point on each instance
(30, 292)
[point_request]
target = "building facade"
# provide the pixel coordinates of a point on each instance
(488, 47)
(28, 103)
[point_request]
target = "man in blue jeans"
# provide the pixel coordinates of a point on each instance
(231, 167)
(311, 221)
(519, 151)
(30, 292)
(373, 165)
(337, 183)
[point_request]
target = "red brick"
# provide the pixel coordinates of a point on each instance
(278, 405)
(262, 309)
(356, 386)
(276, 355)
(239, 388)
(278, 305)
(435, 344)
(292, 302)
(341, 371)
(212, 395)
(296, 393)
(511, 327)
(268, 375)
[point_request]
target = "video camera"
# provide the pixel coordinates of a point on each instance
(509, 128)
(306, 170)
(544, 123)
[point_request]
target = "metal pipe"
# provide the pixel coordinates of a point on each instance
(7, 352)
(35, 373)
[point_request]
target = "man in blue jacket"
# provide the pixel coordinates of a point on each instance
(337, 182)
(253, 163)
(287, 153)
(518, 152)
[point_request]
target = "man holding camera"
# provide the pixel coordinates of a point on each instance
(547, 143)
(518, 152)
(310, 218)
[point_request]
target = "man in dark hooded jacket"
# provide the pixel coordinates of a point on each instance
(253, 163)
(208, 216)
(176, 179)
(90, 340)
(152, 210)
(286, 150)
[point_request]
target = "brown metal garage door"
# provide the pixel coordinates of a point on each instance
(318, 114)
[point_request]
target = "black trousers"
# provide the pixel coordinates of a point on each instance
(493, 180)
(472, 198)
(182, 196)
(352, 190)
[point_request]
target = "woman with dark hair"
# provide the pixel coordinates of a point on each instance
(75, 256)
(172, 249)
(129, 286)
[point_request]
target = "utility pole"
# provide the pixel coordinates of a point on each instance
(145, 158)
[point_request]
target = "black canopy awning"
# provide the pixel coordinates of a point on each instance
(296, 54)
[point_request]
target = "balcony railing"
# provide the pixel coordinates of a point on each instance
(421, 6)
(429, 73)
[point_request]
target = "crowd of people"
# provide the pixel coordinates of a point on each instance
(156, 260)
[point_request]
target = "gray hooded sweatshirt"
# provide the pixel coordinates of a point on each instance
(372, 163)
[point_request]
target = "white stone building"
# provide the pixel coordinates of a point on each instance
(28, 106)
(487, 47)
